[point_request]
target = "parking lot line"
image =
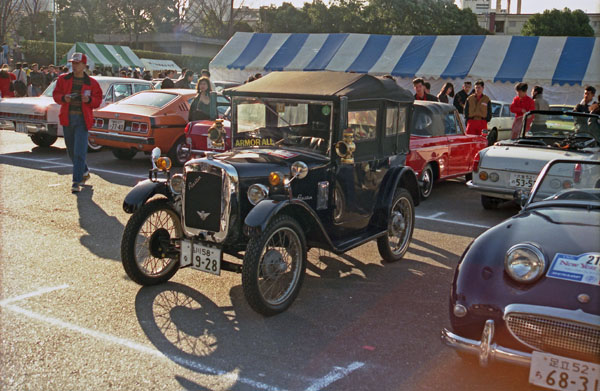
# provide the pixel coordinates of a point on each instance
(58, 164)
(336, 374)
(32, 294)
(433, 218)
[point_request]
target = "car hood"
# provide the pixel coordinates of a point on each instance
(127, 109)
(525, 159)
(27, 105)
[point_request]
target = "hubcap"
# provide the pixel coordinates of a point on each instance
(159, 242)
(273, 264)
(400, 225)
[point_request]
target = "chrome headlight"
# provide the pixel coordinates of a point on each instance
(257, 193)
(176, 183)
(525, 262)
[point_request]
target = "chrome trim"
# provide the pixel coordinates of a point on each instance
(558, 313)
(536, 249)
(230, 189)
(492, 190)
(491, 351)
(121, 138)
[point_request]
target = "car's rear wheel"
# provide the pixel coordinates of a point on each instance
(177, 155)
(124, 154)
(93, 147)
(401, 223)
(43, 139)
(146, 240)
(274, 266)
(427, 180)
(490, 202)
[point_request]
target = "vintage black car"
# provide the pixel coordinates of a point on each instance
(317, 162)
(527, 291)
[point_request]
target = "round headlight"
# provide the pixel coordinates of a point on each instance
(257, 193)
(176, 183)
(494, 177)
(524, 262)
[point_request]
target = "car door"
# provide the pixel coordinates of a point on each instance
(460, 144)
(357, 183)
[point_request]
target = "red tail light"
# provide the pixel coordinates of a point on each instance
(143, 127)
(476, 162)
(187, 128)
(577, 173)
(98, 122)
(135, 126)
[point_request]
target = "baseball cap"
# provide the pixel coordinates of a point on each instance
(78, 57)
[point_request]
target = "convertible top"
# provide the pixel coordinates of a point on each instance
(323, 84)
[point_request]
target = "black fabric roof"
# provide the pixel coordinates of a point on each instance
(436, 107)
(323, 84)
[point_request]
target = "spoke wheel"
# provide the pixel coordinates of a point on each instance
(146, 241)
(274, 266)
(401, 223)
(427, 179)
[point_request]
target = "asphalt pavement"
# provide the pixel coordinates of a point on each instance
(70, 319)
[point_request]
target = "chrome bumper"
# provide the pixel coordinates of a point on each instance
(506, 194)
(485, 349)
(121, 137)
(198, 153)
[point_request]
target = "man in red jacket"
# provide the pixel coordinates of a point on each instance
(78, 95)
(520, 105)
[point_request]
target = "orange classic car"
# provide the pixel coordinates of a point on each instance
(141, 122)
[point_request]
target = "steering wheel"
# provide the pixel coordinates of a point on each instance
(577, 195)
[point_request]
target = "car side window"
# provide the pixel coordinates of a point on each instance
(421, 122)
(141, 87)
(496, 110)
(109, 95)
(121, 91)
(450, 124)
(363, 123)
(506, 111)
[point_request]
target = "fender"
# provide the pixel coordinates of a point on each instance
(404, 177)
(261, 215)
(142, 192)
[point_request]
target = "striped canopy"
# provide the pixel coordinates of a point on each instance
(547, 60)
(106, 55)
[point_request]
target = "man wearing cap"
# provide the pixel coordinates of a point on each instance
(78, 95)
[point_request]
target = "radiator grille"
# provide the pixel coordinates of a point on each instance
(203, 201)
(558, 336)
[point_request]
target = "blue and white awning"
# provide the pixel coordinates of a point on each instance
(547, 60)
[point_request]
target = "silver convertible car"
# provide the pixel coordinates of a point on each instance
(513, 165)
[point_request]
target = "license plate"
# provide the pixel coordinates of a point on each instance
(117, 125)
(200, 256)
(522, 180)
(20, 127)
(561, 373)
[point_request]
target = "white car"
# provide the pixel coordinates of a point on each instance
(500, 127)
(512, 165)
(38, 116)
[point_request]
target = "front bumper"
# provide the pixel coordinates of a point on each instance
(507, 194)
(485, 349)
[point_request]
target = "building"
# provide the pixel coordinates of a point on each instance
(177, 43)
(477, 6)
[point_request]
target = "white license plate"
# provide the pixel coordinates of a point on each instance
(522, 180)
(200, 256)
(20, 127)
(561, 373)
(117, 125)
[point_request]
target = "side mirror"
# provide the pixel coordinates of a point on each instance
(521, 196)
(299, 170)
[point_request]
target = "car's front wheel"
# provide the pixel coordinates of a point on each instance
(401, 223)
(274, 266)
(43, 139)
(427, 180)
(124, 154)
(490, 202)
(146, 242)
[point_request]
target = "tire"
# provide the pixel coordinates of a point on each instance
(469, 177)
(150, 224)
(401, 223)
(489, 203)
(43, 140)
(177, 156)
(124, 154)
(264, 260)
(92, 147)
(427, 178)
(492, 136)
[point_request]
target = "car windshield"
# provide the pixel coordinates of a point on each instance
(154, 99)
(565, 130)
(296, 124)
(569, 180)
(50, 89)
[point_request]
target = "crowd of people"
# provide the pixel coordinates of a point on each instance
(477, 109)
(26, 80)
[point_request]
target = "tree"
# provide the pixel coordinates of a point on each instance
(135, 16)
(559, 23)
(80, 20)
(9, 9)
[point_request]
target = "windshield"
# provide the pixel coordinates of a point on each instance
(569, 180)
(284, 123)
(565, 130)
(50, 89)
(154, 99)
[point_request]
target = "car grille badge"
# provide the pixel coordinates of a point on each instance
(203, 215)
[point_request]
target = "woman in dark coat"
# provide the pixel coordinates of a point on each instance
(446, 92)
(200, 108)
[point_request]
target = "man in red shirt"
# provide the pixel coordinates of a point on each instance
(520, 105)
(78, 95)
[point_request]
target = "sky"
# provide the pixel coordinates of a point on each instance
(527, 6)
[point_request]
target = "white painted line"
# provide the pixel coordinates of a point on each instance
(141, 348)
(432, 218)
(54, 158)
(336, 374)
(438, 214)
(32, 294)
(92, 169)
(55, 166)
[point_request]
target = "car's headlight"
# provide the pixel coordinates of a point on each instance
(257, 193)
(176, 183)
(524, 262)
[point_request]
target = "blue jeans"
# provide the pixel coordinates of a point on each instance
(76, 138)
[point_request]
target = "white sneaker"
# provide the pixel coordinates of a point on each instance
(75, 188)
(86, 176)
